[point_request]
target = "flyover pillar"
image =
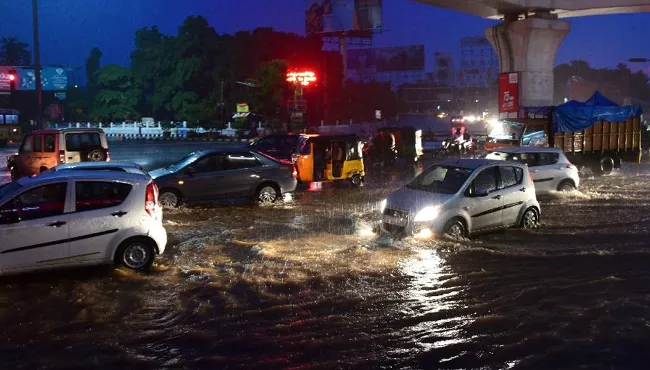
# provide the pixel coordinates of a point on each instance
(528, 46)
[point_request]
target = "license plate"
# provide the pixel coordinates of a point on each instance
(395, 220)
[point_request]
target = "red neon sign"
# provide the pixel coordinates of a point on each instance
(301, 78)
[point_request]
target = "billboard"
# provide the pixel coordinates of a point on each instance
(508, 95)
(336, 16)
(52, 79)
(5, 82)
(360, 59)
(401, 58)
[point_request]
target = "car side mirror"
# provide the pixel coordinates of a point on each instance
(190, 171)
(481, 191)
(9, 218)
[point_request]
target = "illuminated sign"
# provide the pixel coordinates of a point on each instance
(301, 78)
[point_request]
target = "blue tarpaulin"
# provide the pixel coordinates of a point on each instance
(577, 116)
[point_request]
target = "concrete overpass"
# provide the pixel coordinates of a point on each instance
(531, 32)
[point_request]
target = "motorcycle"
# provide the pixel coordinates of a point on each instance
(458, 147)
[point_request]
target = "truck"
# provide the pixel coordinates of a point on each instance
(597, 134)
(10, 131)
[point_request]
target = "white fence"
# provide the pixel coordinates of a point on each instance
(148, 130)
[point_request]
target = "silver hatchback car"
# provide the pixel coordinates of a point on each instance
(462, 197)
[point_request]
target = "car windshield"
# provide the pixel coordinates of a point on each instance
(441, 179)
(185, 161)
(9, 188)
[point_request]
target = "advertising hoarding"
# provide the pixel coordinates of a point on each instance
(52, 79)
(508, 95)
(360, 59)
(336, 16)
(5, 82)
(400, 58)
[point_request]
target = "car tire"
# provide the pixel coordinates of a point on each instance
(530, 219)
(455, 229)
(169, 198)
(566, 185)
(267, 193)
(94, 155)
(356, 181)
(136, 254)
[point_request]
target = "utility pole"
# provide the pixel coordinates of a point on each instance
(37, 66)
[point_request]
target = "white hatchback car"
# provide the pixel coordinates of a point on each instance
(462, 197)
(68, 218)
(550, 168)
(129, 167)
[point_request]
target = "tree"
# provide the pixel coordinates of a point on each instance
(14, 52)
(117, 95)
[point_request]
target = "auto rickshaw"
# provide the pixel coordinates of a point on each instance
(405, 141)
(324, 158)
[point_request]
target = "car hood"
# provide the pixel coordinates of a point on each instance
(160, 172)
(414, 200)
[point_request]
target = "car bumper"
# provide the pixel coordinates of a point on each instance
(410, 228)
(288, 185)
(159, 234)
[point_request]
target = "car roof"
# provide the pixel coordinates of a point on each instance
(225, 149)
(529, 149)
(81, 175)
(66, 129)
(116, 164)
(471, 163)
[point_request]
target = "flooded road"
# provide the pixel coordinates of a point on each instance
(307, 284)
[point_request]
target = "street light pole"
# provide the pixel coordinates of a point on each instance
(37, 66)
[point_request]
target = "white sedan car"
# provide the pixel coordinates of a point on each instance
(462, 197)
(69, 218)
(550, 168)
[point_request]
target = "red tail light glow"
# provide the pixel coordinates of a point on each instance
(61, 156)
(294, 174)
(151, 200)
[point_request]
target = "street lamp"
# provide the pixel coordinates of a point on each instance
(37, 66)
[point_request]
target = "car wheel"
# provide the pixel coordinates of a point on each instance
(267, 193)
(604, 167)
(356, 181)
(530, 220)
(455, 229)
(566, 185)
(137, 254)
(169, 198)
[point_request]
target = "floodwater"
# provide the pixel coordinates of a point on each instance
(307, 284)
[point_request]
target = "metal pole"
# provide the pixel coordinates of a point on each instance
(37, 66)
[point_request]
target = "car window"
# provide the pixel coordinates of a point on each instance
(26, 146)
(49, 143)
(209, 163)
(509, 176)
(40, 202)
(92, 195)
(38, 143)
(238, 161)
(266, 141)
(76, 142)
(548, 158)
(441, 179)
(487, 179)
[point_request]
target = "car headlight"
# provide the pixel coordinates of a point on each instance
(427, 214)
(382, 206)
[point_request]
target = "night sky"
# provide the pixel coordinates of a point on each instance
(70, 28)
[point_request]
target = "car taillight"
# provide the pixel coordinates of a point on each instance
(108, 156)
(151, 199)
(530, 177)
(294, 174)
(61, 156)
(570, 166)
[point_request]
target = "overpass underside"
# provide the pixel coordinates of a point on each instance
(531, 31)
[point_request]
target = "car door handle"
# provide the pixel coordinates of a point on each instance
(57, 224)
(522, 189)
(497, 197)
(119, 214)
